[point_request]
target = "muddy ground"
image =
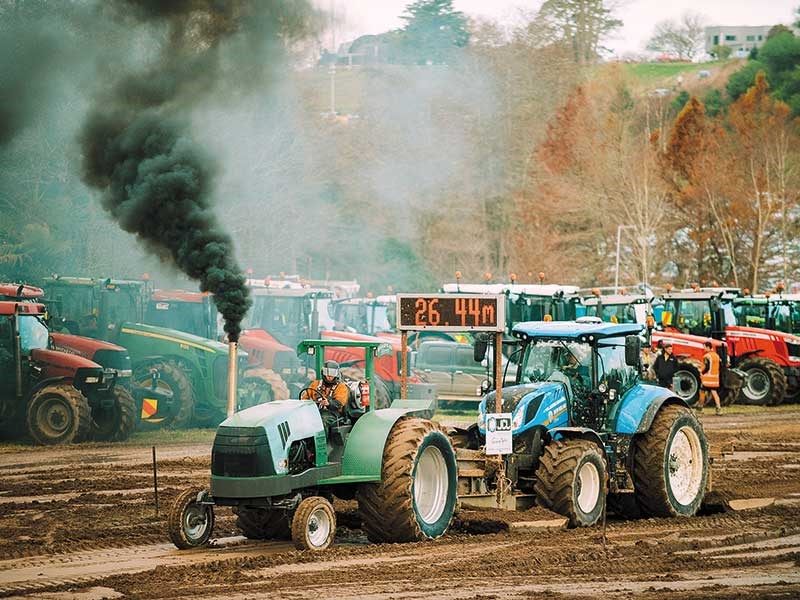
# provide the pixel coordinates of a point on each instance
(80, 522)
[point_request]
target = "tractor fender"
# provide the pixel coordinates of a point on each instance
(583, 433)
(638, 408)
(363, 455)
(46, 382)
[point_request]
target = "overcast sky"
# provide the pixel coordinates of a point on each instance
(639, 16)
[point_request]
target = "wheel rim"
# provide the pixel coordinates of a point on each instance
(685, 465)
(318, 527)
(54, 417)
(195, 521)
(686, 385)
(757, 384)
(430, 485)
(588, 487)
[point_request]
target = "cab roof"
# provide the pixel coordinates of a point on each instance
(18, 290)
(573, 330)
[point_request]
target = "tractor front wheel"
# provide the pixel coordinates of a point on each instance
(313, 524)
(670, 464)
(172, 380)
(117, 421)
(416, 498)
(190, 523)
(764, 382)
(571, 480)
(58, 414)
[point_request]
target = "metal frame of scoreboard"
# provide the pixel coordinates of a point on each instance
(453, 312)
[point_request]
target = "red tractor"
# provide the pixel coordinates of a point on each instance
(113, 407)
(388, 367)
(44, 392)
(770, 360)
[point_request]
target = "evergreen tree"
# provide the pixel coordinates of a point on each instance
(433, 30)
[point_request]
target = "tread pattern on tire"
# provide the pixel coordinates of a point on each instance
(280, 390)
(125, 418)
(259, 524)
(776, 375)
(175, 520)
(301, 516)
(185, 414)
(80, 409)
(555, 477)
(649, 450)
(387, 508)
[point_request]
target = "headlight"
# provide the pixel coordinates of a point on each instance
(92, 380)
(516, 420)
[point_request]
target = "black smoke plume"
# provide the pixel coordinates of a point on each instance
(157, 182)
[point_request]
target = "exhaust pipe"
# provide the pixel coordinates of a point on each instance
(232, 374)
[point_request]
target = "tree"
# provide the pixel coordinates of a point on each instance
(683, 39)
(721, 52)
(433, 30)
(581, 24)
(777, 30)
(743, 79)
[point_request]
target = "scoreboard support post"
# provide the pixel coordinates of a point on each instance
(498, 372)
(403, 364)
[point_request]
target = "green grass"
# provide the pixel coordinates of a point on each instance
(650, 73)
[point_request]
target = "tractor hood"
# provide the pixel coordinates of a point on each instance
(538, 404)
(514, 394)
(62, 360)
(103, 353)
(271, 414)
(170, 335)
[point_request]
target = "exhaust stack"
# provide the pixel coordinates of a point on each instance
(233, 352)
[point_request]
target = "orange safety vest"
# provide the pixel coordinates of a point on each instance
(710, 379)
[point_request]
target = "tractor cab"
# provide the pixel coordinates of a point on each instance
(290, 315)
(702, 313)
(370, 316)
(95, 307)
(190, 312)
(779, 313)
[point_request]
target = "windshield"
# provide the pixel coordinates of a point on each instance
(190, 317)
(120, 307)
(33, 334)
(614, 313)
(786, 318)
(553, 360)
(611, 365)
(751, 315)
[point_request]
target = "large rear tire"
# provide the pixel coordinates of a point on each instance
(118, 421)
(313, 524)
(261, 524)
(571, 480)
(417, 496)
(58, 414)
(765, 382)
(190, 523)
(173, 379)
(268, 382)
(670, 464)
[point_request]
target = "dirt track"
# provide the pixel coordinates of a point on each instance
(79, 523)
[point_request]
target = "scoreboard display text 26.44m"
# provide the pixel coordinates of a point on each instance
(451, 312)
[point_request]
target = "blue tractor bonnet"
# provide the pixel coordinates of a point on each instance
(530, 404)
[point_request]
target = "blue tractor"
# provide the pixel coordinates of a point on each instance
(585, 427)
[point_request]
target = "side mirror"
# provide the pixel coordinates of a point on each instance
(633, 349)
(479, 349)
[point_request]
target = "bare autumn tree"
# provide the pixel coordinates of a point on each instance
(683, 38)
(579, 24)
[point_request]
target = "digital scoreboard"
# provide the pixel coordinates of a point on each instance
(451, 312)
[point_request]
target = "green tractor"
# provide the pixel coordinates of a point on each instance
(279, 469)
(185, 376)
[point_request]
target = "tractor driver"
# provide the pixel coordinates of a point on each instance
(330, 394)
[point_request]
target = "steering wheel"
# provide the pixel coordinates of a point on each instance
(312, 392)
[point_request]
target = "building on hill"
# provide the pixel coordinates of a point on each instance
(740, 39)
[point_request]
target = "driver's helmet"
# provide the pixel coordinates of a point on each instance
(330, 371)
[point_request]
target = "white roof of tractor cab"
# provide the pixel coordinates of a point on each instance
(517, 289)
